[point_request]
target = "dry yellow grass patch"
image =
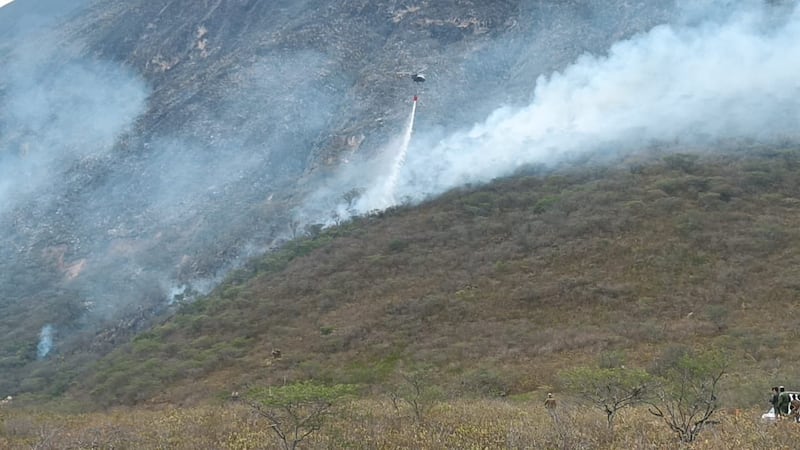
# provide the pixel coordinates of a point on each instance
(375, 423)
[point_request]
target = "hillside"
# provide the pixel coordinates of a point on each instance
(150, 147)
(210, 208)
(500, 287)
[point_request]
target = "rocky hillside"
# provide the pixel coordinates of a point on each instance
(148, 147)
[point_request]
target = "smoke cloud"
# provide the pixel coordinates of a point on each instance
(722, 70)
(45, 342)
(53, 115)
(695, 82)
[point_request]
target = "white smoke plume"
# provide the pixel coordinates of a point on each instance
(45, 342)
(727, 70)
(51, 117)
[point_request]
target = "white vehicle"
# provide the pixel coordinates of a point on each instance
(771, 415)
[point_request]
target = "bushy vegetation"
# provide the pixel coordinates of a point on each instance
(295, 411)
(500, 292)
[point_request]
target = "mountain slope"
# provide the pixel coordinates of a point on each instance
(501, 287)
(148, 148)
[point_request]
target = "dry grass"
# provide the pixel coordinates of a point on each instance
(370, 424)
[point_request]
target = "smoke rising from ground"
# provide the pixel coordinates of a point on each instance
(690, 83)
(54, 115)
(124, 224)
(45, 344)
(723, 70)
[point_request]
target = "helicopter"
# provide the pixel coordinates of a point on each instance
(417, 75)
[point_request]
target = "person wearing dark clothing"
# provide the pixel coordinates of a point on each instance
(774, 399)
(783, 402)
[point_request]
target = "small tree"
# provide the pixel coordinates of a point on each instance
(415, 389)
(609, 390)
(295, 411)
(687, 393)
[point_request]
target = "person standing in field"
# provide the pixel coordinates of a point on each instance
(774, 399)
(783, 402)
